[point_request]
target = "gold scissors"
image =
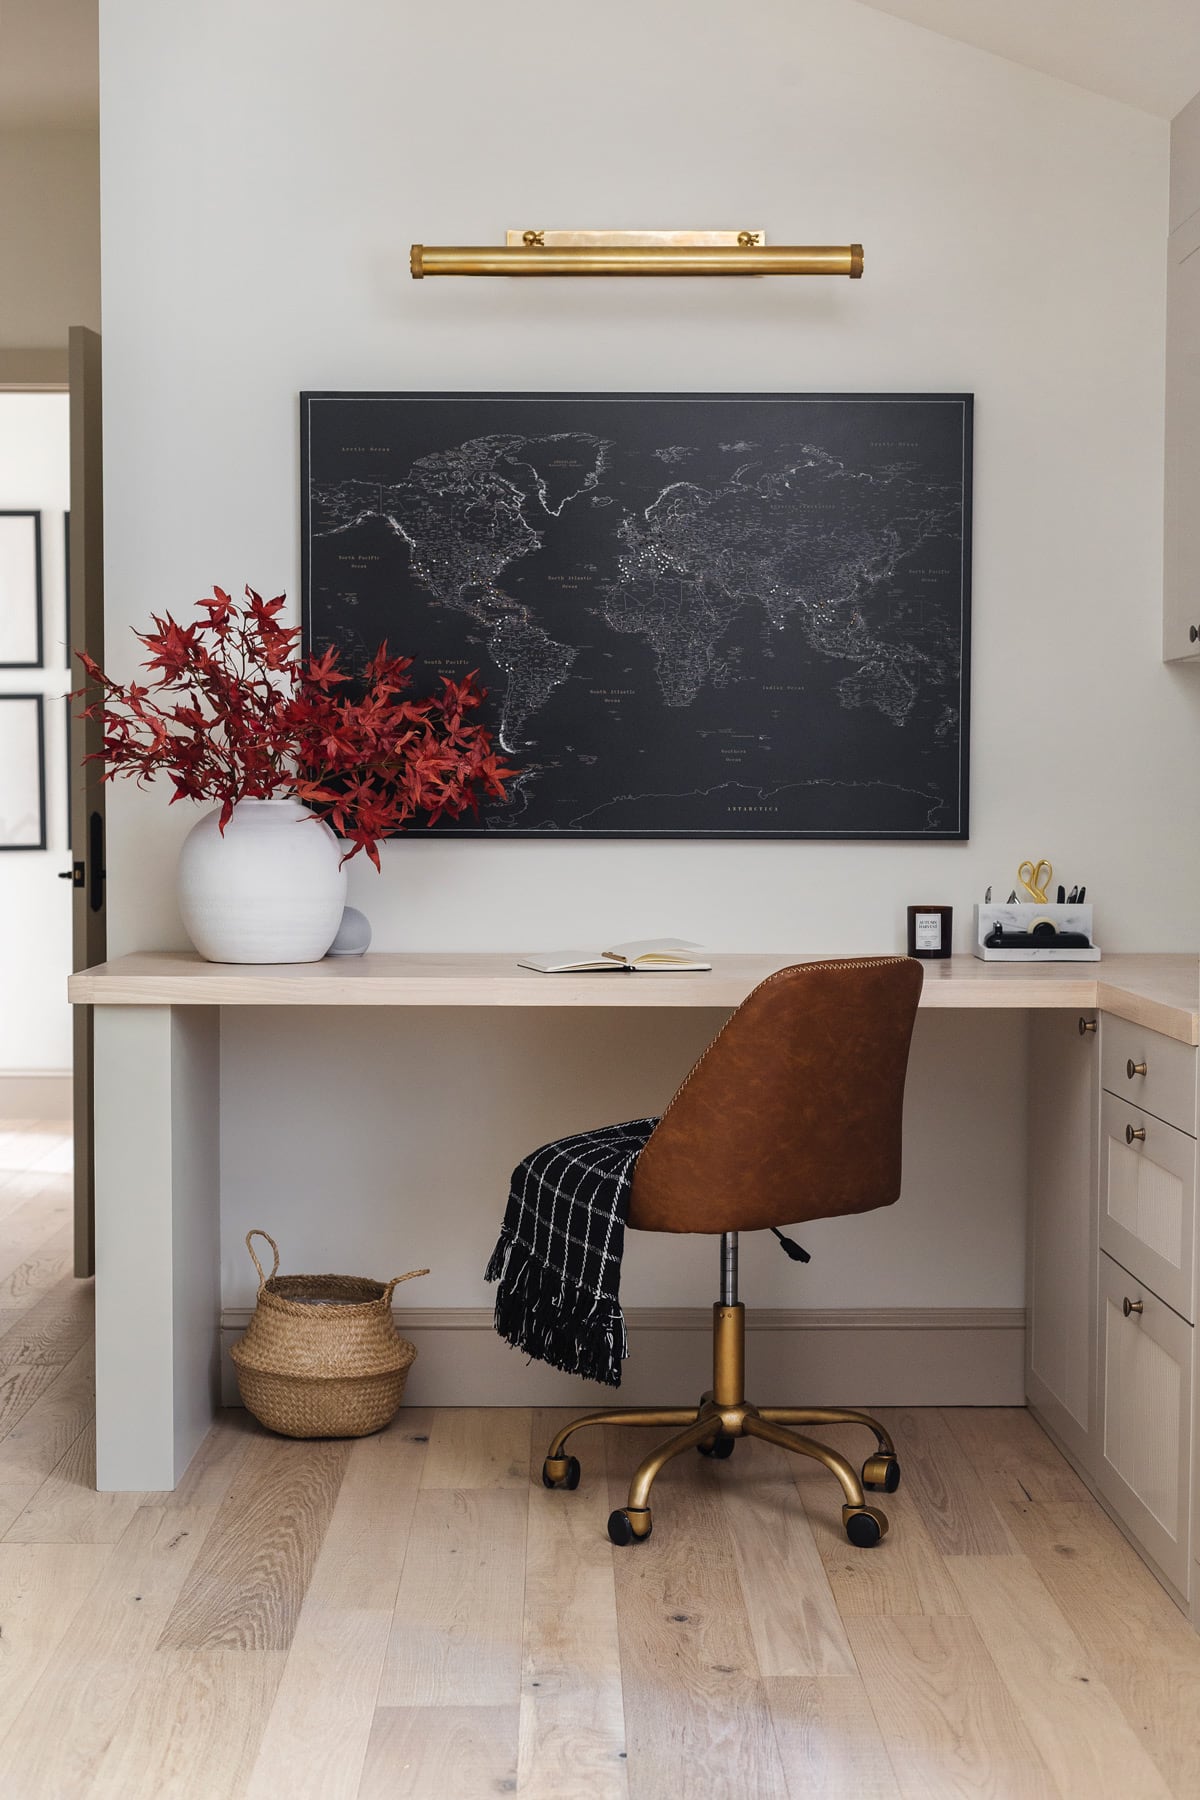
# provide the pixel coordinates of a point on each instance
(1035, 878)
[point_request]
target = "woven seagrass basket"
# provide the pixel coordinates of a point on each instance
(321, 1356)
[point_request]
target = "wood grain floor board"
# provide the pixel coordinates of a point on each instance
(457, 1629)
(1148, 1653)
(1012, 1455)
(956, 1502)
(330, 1676)
(904, 1575)
(337, 1653)
(828, 1738)
(794, 1618)
(950, 1725)
(35, 1272)
(42, 1587)
(45, 1335)
(53, 1328)
(571, 1742)
(22, 1385)
(1057, 1685)
(441, 1753)
(247, 1586)
(192, 1727)
(38, 1208)
(696, 1716)
(478, 1447)
(54, 1748)
(363, 1552)
(36, 1445)
(66, 1509)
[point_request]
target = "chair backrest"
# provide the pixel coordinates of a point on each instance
(795, 1109)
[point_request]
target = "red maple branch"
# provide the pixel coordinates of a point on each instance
(231, 713)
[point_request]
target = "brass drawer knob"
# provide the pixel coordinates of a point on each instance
(1130, 1306)
(1086, 1025)
(1132, 1068)
(1135, 1134)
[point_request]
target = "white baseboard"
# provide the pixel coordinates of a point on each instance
(899, 1356)
(35, 1094)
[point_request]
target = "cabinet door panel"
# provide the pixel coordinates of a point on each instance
(1148, 1200)
(1060, 1269)
(1145, 1408)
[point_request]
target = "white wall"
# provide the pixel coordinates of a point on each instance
(35, 908)
(50, 234)
(265, 168)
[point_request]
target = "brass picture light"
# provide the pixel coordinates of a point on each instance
(636, 253)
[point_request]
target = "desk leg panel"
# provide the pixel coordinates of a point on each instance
(157, 1240)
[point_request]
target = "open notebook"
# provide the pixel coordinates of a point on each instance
(655, 956)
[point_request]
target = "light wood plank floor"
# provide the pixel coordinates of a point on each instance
(414, 1615)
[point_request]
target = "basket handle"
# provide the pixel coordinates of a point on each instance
(263, 1279)
(396, 1280)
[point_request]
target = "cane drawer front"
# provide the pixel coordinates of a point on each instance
(1145, 1415)
(1152, 1072)
(1148, 1200)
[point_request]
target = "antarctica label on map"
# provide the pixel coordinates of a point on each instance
(696, 615)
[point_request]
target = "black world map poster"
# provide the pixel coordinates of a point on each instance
(696, 615)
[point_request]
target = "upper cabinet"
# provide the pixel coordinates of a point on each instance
(1181, 544)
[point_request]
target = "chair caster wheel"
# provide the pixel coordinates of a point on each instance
(721, 1447)
(864, 1525)
(881, 1473)
(560, 1472)
(620, 1527)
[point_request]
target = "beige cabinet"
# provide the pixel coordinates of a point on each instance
(1064, 1091)
(1145, 1410)
(1181, 543)
(1110, 1273)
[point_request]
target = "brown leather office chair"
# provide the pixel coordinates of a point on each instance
(793, 1112)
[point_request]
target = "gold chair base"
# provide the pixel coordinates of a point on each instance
(723, 1415)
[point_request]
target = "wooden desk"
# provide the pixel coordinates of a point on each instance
(1161, 992)
(157, 1060)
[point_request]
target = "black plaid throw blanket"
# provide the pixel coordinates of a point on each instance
(558, 1259)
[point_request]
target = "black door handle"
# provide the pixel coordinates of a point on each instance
(75, 875)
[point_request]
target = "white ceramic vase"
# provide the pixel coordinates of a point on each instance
(269, 891)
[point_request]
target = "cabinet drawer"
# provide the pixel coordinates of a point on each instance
(1148, 1200)
(1167, 1088)
(1145, 1414)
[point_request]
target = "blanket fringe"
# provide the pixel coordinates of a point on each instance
(555, 1320)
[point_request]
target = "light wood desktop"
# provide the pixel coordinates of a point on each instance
(158, 1183)
(1162, 992)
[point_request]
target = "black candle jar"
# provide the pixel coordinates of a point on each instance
(930, 932)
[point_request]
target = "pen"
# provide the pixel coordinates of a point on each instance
(1079, 896)
(987, 898)
(1062, 894)
(1073, 897)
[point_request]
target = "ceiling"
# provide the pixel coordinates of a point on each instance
(48, 63)
(1146, 52)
